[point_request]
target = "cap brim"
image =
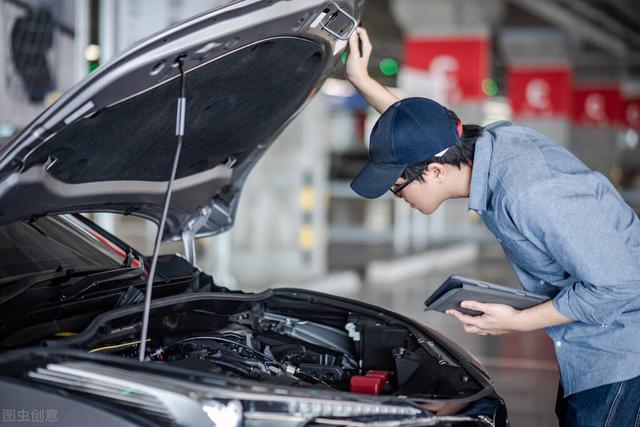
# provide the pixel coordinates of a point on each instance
(374, 180)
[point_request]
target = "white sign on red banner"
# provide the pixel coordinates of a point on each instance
(539, 93)
(461, 63)
(598, 106)
(632, 113)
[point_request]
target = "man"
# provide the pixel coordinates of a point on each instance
(564, 228)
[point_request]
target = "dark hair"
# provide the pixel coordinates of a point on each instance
(461, 153)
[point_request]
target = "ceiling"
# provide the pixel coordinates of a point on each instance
(603, 30)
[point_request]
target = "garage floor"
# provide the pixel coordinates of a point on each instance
(522, 365)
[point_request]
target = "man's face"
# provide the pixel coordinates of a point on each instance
(425, 196)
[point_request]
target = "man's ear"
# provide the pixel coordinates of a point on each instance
(436, 171)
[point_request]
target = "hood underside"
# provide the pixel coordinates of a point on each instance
(108, 144)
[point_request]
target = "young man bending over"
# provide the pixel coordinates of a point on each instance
(564, 228)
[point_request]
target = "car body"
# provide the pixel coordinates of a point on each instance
(71, 294)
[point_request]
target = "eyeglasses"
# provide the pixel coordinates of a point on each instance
(397, 189)
(413, 175)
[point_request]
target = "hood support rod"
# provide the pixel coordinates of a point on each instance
(180, 122)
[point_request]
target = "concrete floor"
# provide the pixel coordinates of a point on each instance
(522, 365)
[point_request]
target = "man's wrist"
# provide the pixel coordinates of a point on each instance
(540, 316)
(361, 82)
(521, 322)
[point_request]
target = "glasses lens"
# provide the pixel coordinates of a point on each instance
(409, 175)
(397, 189)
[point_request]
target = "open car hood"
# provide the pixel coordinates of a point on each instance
(107, 144)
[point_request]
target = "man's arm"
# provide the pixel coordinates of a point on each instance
(541, 316)
(585, 227)
(356, 71)
(568, 219)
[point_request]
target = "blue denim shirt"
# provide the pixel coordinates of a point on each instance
(568, 234)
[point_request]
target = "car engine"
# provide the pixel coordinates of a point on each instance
(364, 357)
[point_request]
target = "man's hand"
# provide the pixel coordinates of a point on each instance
(498, 319)
(356, 69)
(358, 74)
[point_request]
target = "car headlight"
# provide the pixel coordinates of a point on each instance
(284, 410)
(184, 403)
(224, 414)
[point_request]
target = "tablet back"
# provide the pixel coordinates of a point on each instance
(457, 289)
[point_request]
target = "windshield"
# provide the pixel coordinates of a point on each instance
(49, 243)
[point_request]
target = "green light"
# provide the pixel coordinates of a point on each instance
(126, 392)
(389, 67)
(344, 57)
(490, 87)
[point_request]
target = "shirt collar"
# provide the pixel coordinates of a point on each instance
(479, 186)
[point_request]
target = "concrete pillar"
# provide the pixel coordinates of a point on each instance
(280, 234)
(447, 57)
(539, 79)
(598, 109)
(136, 19)
(629, 142)
(447, 51)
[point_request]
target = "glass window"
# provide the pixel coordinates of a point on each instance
(52, 242)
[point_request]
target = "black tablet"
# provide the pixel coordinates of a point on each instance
(457, 289)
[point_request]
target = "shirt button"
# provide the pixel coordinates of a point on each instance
(541, 282)
(500, 240)
(558, 344)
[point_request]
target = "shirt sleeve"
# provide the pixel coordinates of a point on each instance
(585, 226)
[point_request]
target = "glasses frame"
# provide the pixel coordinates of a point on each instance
(396, 192)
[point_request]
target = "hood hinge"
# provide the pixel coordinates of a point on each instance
(194, 224)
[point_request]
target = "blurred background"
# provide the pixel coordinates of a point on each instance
(568, 68)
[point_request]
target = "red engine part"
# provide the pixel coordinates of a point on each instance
(371, 383)
(379, 374)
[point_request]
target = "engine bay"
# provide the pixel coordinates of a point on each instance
(257, 342)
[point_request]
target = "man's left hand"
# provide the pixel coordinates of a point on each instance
(497, 319)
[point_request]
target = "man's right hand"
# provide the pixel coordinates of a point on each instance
(358, 60)
(358, 74)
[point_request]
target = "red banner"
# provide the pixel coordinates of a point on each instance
(597, 106)
(632, 113)
(539, 93)
(461, 62)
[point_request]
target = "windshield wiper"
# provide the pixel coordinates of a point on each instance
(88, 282)
(22, 283)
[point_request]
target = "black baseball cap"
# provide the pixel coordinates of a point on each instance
(410, 131)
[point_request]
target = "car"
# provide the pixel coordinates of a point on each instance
(93, 332)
